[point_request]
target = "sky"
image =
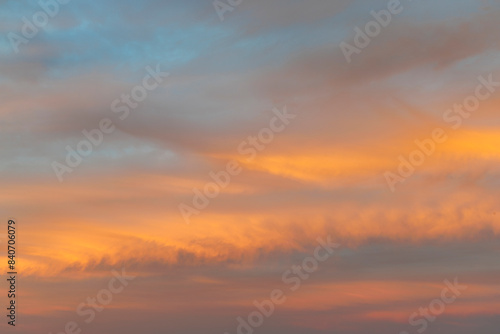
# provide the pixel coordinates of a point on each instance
(216, 145)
